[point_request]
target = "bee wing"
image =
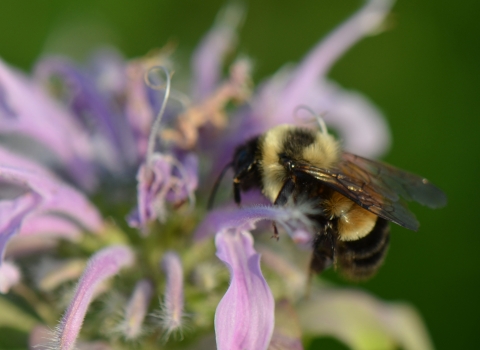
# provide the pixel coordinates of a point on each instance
(383, 176)
(378, 187)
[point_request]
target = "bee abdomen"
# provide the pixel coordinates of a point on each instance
(360, 259)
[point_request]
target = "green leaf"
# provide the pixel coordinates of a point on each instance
(12, 316)
(12, 339)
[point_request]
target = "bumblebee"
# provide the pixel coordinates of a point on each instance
(356, 197)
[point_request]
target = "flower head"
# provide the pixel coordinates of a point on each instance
(70, 199)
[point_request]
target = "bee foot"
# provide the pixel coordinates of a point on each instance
(275, 232)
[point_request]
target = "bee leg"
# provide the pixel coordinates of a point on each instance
(275, 231)
(236, 191)
(285, 193)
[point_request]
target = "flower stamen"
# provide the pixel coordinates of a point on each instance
(157, 122)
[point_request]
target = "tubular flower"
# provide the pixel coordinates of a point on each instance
(72, 140)
(248, 303)
(172, 314)
(136, 309)
(102, 265)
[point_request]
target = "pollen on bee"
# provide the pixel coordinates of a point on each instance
(356, 223)
(337, 205)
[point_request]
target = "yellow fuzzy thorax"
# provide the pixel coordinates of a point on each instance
(323, 153)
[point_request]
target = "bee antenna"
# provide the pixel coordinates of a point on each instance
(211, 198)
(318, 117)
(156, 124)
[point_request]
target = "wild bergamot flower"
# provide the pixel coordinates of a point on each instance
(105, 171)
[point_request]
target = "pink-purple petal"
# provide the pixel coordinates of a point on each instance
(362, 127)
(165, 179)
(9, 276)
(246, 218)
(102, 265)
(54, 197)
(139, 110)
(172, 313)
(57, 196)
(52, 225)
(152, 188)
(12, 214)
(110, 133)
(137, 308)
(207, 59)
(186, 172)
(244, 318)
(43, 120)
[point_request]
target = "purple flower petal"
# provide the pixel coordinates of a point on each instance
(363, 129)
(165, 179)
(139, 110)
(40, 204)
(41, 119)
(9, 158)
(110, 131)
(102, 265)
(207, 59)
(153, 186)
(136, 309)
(50, 226)
(361, 125)
(172, 313)
(56, 197)
(9, 276)
(244, 318)
(186, 171)
(12, 214)
(245, 219)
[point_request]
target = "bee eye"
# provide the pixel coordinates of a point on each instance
(242, 156)
(243, 159)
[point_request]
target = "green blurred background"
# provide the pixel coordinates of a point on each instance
(423, 73)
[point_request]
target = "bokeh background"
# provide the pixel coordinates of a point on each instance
(423, 72)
